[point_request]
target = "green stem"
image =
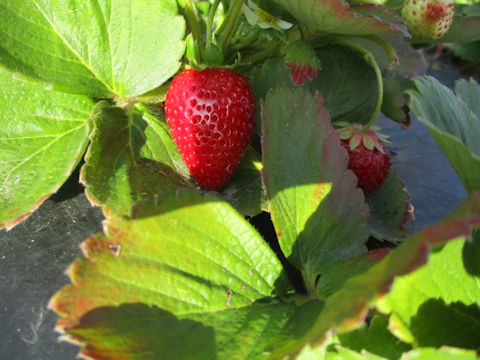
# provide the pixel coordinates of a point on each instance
(231, 20)
(262, 55)
(194, 25)
(246, 40)
(211, 17)
(392, 55)
(309, 283)
(370, 59)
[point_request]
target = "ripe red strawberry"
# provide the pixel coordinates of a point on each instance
(211, 114)
(368, 157)
(428, 19)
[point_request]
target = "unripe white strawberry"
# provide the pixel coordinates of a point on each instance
(428, 19)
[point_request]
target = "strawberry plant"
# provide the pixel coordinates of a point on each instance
(189, 119)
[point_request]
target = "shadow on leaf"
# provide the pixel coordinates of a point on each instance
(439, 324)
(138, 331)
(471, 254)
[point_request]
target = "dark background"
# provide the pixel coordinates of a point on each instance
(35, 254)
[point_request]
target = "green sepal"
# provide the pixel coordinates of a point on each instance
(192, 53)
(213, 55)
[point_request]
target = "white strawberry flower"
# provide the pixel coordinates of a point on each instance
(263, 19)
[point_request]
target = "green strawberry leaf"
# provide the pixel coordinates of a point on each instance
(177, 275)
(318, 212)
(343, 353)
(99, 48)
(270, 7)
(395, 99)
(471, 253)
(469, 51)
(334, 16)
(43, 135)
(348, 83)
(163, 276)
(335, 276)
(158, 141)
(390, 211)
(131, 331)
(245, 191)
(469, 92)
(442, 292)
(117, 173)
(382, 51)
(271, 74)
(454, 122)
(443, 353)
(346, 308)
(375, 338)
(410, 62)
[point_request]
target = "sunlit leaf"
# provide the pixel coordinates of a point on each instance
(43, 135)
(115, 174)
(99, 48)
(347, 308)
(442, 292)
(318, 211)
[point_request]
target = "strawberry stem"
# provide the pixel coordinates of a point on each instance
(370, 59)
(211, 17)
(242, 41)
(231, 21)
(309, 283)
(268, 52)
(387, 47)
(195, 27)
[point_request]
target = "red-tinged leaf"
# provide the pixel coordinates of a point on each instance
(142, 332)
(167, 257)
(13, 223)
(391, 212)
(410, 61)
(337, 17)
(347, 308)
(319, 213)
(333, 278)
(347, 82)
(43, 135)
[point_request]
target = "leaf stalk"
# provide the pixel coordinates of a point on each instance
(211, 17)
(195, 27)
(231, 21)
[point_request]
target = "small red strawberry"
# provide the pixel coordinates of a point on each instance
(428, 19)
(368, 157)
(211, 114)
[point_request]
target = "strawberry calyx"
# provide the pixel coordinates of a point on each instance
(357, 134)
(368, 158)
